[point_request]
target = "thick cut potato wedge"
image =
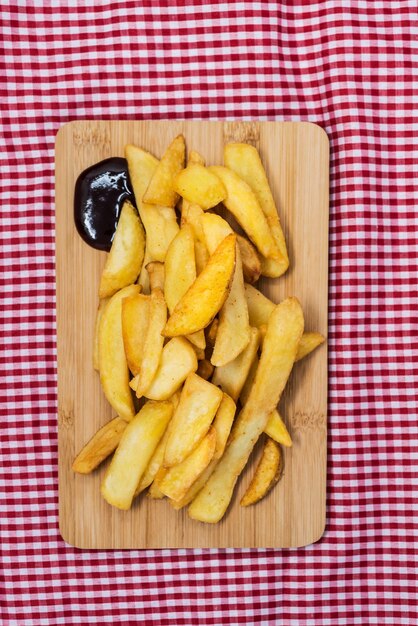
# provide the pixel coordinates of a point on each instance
(156, 273)
(192, 214)
(199, 185)
(157, 458)
(113, 367)
(308, 343)
(259, 307)
(245, 161)
(215, 229)
(160, 222)
(251, 264)
(153, 343)
(134, 452)
(161, 187)
(100, 446)
(124, 261)
(232, 376)
(222, 425)
(135, 321)
(180, 274)
(206, 296)
(178, 360)
(244, 206)
(199, 402)
(276, 429)
(284, 331)
(268, 473)
(100, 309)
(178, 479)
(205, 369)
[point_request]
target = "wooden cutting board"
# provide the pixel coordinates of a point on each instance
(296, 157)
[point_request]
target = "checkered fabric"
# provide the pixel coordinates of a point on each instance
(348, 65)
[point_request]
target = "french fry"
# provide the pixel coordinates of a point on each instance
(245, 161)
(134, 452)
(192, 214)
(153, 343)
(113, 367)
(268, 472)
(199, 402)
(124, 261)
(178, 360)
(178, 479)
(156, 273)
(100, 446)
(160, 222)
(251, 264)
(212, 332)
(244, 206)
(205, 369)
(259, 307)
(232, 376)
(199, 185)
(276, 429)
(222, 424)
(135, 321)
(284, 331)
(100, 309)
(180, 274)
(161, 187)
(308, 343)
(206, 296)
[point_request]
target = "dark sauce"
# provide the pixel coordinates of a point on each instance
(100, 192)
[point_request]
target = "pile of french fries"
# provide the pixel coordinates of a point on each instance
(192, 357)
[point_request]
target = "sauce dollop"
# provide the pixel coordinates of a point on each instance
(100, 192)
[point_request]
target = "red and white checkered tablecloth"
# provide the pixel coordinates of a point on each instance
(348, 65)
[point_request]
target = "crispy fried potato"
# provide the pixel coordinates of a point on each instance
(245, 161)
(113, 367)
(205, 369)
(245, 391)
(134, 452)
(178, 479)
(192, 214)
(100, 446)
(180, 273)
(135, 321)
(244, 206)
(222, 424)
(251, 264)
(232, 376)
(154, 491)
(212, 332)
(284, 331)
(153, 343)
(124, 261)
(156, 273)
(276, 429)
(199, 402)
(178, 360)
(268, 473)
(199, 185)
(160, 222)
(215, 229)
(206, 296)
(308, 343)
(161, 187)
(100, 309)
(259, 307)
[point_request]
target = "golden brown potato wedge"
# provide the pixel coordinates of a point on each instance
(251, 264)
(205, 369)
(178, 360)
(284, 331)
(199, 185)
(215, 229)
(268, 472)
(245, 161)
(259, 307)
(192, 214)
(124, 261)
(276, 429)
(232, 376)
(153, 343)
(114, 372)
(308, 343)
(199, 402)
(161, 187)
(137, 445)
(244, 206)
(178, 479)
(156, 273)
(135, 321)
(100, 309)
(160, 222)
(206, 296)
(180, 274)
(100, 446)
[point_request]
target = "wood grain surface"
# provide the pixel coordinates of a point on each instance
(296, 157)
